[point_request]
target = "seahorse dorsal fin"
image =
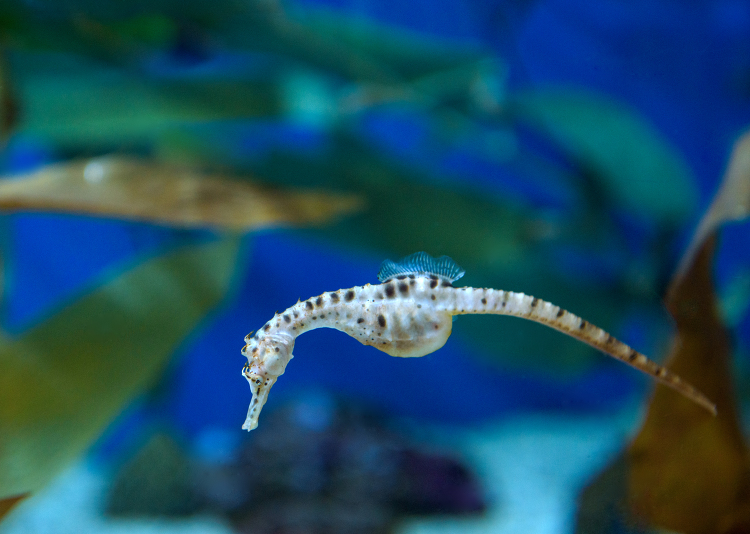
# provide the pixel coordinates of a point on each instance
(421, 263)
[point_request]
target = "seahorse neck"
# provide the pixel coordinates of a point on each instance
(326, 310)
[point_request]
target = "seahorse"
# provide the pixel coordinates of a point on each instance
(410, 314)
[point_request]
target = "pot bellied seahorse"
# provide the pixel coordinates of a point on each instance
(410, 314)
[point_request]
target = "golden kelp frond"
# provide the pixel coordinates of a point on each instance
(7, 504)
(134, 189)
(65, 379)
(687, 471)
(731, 203)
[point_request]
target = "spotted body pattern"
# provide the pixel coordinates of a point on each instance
(410, 314)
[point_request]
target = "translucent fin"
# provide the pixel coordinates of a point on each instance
(421, 263)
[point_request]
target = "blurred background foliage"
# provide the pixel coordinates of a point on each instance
(190, 129)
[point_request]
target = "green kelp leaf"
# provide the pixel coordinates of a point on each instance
(8, 103)
(357, 49)
(64, 380)
(634, 164)
(344, 45)
(74, 102)
(139, 189)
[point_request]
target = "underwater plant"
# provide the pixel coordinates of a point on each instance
(410, 314)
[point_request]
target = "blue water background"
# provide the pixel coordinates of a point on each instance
(685, 66)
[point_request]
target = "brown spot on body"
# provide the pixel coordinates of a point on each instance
(632, 355)
(287, 318)
(433, 283)
(484, 301)
(403, 288)
(381, 321)
(334, 297)
(401, 277)
(560, 313)
(267, 327)
(433, 296)
(534, 302)
(360, 320)
(295, 314)
(309, 305)
(319, 301)
(446, 283)
(379, 295)
(390, 291)
(349, 296)
(582, 324)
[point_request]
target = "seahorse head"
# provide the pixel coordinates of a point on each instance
(267, 358)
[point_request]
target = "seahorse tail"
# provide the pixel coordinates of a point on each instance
(495, 301)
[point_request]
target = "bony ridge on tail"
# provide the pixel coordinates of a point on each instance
(410, 314)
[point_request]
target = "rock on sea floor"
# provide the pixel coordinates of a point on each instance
(533, 468)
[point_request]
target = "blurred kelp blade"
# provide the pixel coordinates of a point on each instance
(134, 189)
(356, 49)
(731, 203)
(65, 379)
(630, 162)
(119, 33)
(686, 471)
(8, 102)
(73, 101)
(8, 503)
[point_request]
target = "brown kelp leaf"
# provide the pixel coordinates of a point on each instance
(731, 203)
(687, 471)
(7, 504)
(8, 104)
(134, 189)
(64, 380)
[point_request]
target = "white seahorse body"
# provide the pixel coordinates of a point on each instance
(410, 315)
